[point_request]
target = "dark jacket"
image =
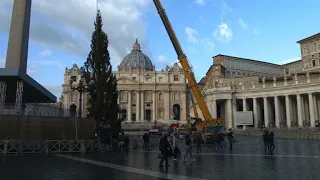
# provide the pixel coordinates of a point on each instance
(164, 145)
(265, 136)
(230, 136)
(271, 138)
(146, 138)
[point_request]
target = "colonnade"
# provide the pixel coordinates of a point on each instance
(288, 110)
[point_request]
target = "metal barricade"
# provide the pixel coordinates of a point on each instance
(16, 146)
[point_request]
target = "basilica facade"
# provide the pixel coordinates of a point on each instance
(279, 96)
(146, 95)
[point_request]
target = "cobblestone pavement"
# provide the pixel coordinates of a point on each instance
(292, 159)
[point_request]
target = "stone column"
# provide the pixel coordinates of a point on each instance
(167, 105)
(214, 109)
(276, 110)
(244, 109)
(288, 111)
(299, 109)
(244, 104)
(138, 119)
(129, 107)
(229, 114)
(311, 110)
(255, 112)
(234, 111)
(142, 106)
(154, 106)
(315, 105)
(266, 112)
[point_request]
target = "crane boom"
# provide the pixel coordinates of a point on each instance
(184, 62)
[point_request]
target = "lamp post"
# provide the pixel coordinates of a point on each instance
(81, 88)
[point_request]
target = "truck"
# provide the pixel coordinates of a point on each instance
(187, 68)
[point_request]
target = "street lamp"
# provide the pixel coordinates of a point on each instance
(81, 87)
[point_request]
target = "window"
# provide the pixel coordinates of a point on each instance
(148, 79)
(123, 96)
(175, 78)
(148, 105)
(287, 70)
(160, 79)
(319, 47)
(73, 78)
(134, 105)
(134, 78)
(312, 48)
(314, 63)
(305, 51)
(73, 97)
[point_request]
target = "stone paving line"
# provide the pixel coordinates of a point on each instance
(239, 154)
(130, 169)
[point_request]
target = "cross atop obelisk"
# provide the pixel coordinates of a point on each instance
(17, 52)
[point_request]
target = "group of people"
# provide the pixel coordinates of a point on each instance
(166, 149)
(268, 139)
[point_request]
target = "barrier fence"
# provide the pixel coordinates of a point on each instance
(16, 146)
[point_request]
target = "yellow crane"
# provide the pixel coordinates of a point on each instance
(187, 69)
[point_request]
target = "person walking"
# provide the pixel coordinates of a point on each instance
(199, 142)
(188, 148)
(265, 137)
(146, 140)
(175, 146)
(231, 139)
(164, 148)
(271, 142)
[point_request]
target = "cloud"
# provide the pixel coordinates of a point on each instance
(164, 61)
(290, 60)
(191, 34)
(68, 28)
(201, 2)
(45, 53)
(242, 23)
(223, 33)
(256, 32)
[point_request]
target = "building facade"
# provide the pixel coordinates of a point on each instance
(278, 95)
(147, 95)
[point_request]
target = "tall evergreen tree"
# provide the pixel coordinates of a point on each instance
(102, 83)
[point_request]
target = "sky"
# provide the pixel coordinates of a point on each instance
(60, 32)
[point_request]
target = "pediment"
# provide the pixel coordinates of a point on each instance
(125, 80)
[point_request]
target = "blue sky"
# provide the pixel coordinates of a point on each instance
(263, 30)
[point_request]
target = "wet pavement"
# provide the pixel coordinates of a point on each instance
(292, 159)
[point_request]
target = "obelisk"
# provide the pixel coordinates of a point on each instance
(17, 52)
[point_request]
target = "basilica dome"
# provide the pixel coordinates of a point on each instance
(136, 60)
